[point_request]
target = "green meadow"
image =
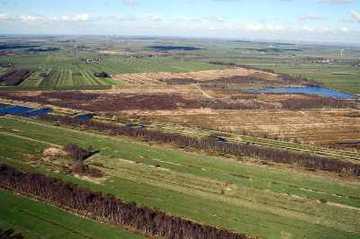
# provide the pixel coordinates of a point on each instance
(36, 220)
(265, 201)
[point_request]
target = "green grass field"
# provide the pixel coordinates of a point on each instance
(338, 75)
(270, 202)
(65, 71)
(68, 71)
(341, 77)
(36, 220)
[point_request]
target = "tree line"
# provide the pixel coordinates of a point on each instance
(10, 234)
(264, 153)
(106, 208)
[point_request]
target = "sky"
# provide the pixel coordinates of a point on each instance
(284, 20)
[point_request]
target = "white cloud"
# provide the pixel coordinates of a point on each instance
(72, 18)
(310, 18)
(207, 26)
(260, 27)
(216, 19)
(3, 16)
(154, 18)
(355, 15)
(80, 17)
(336, 1)
(33, 18)
(130, 2)
(29, 18)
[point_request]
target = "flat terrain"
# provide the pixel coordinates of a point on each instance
(339, 76)
(200, 76)
(213, 105)
(35, 220)
(214, 190)
(63, 64)
(63, 71)
(303, 184)
(320, 63)
(322, 127)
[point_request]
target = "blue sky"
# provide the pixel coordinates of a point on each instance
(288, 20)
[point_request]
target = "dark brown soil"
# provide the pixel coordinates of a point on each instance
(14, 77)
(116, 102)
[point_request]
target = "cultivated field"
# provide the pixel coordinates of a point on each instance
(63, 71)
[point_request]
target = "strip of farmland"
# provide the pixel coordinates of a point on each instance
(277, 155)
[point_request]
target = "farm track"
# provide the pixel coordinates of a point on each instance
(197, 86)
(29, 139)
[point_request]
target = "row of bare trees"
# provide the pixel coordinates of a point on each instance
(263, 153)
(10, 234)
(107, 208)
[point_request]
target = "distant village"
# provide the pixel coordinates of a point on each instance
(97, 60)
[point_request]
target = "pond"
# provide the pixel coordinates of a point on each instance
(84, 117)
(23, 111)
(311, 90)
